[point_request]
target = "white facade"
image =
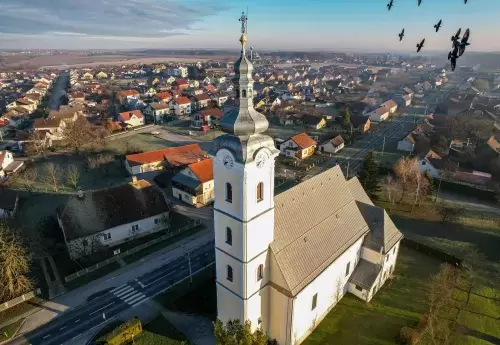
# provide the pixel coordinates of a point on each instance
(330, 147)
(427, 168)
(135, 121)
(182, 109)
(406, 144)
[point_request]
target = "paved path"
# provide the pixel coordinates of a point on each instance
(58, 91)
(112, 303)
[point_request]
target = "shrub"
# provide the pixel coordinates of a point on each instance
(408, 335)
(122, 334)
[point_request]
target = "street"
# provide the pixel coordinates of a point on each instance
(112, 303)
(58, 91)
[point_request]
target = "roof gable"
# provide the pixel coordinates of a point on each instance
(303, 140)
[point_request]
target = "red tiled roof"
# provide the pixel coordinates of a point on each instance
(338, 140)
(164, 95)
(182, 100)
(181, 82)
(126, 115)
(203, 170)
(212, 112)
(175, 156)
(303, 140)
(210, 88)
(202, 97)
(129, 93)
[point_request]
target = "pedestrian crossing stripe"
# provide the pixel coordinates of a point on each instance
(129, 295)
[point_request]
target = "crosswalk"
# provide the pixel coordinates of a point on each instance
(129, 295)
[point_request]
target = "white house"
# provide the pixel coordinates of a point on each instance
(178, 72)
(407, 143)
(94, 220)
(7, 163)
(379, 114)
(182, 106)
(283, 262)
(157, 111)
(195, 183)
(430, 163)
(332, 146)
(132, 118)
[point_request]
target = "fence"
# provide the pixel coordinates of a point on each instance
(131, 251)
(20, 299)
(431, 251)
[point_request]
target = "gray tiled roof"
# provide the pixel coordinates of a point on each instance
(315, 222)
(358, 191)
(365, 274)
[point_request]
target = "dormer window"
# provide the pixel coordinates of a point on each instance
(243, 93)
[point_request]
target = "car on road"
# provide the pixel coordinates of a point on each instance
(155, 133)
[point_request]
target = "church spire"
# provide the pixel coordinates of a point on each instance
(243, 120)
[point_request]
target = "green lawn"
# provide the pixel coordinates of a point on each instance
(144, 141)
(160, 332)
(9, 331)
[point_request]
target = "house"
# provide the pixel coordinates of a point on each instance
(164, 97)
(7, 163)
(299, 146)
(202, 100)
(96, 220)
(332, 146)
(182, 106)
(53, 126)
(132, 118)
(157, 111)
(9, 200)
(433, 164)
(205, 117)
(172, 158)
(126, 96)
(390, 105)
(407, 143)
(379, 114)
(181, 84)
(361, 123)
(195, 183)
(102, 75)
(220, 98)
(314, 122)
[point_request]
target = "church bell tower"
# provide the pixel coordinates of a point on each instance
(244, 202)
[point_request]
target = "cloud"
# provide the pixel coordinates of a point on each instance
(103, 18)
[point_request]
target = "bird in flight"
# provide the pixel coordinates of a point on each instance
(401, 35)
(420, 1)
(389, 5)
(420, 45)
(465, 2)
(453, 56)
(455, 38)
(438, 25)
(464, 43)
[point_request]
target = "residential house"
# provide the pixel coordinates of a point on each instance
(181, 84)
(132, 118)
(379, 114)
(220, 98)
(205, 117)
(7, 163)
(314, 122)
(361, 123)
(126, 96)
(9, 201)
(55, 127)
(163, 97)
(431, 163)
(299, 146)
(96, 220)
(202, 100)
(390, 105)
(195, 183)
(182, 106)
(406, 100)
(333, 145)
(407, 143)
(173, 158)
(157, 111)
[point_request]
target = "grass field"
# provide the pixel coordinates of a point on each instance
(9, 331)
(160, 332)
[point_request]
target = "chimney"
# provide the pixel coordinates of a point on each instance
(134, 180)
(80, 194)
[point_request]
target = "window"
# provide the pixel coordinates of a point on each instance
(394, 250)
(229, 273)
(260, 191)
(229, 192)
(359, 288)
(229, 236)
(243, 93)
(157, 221)
(387, 257)
(260, 272)
(107, 236)
(135, 227)
(314, 301)
(347, 269)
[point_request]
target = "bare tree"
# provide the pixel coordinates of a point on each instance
(14, 265)
(52, 172)
(37, 144)
(81, 133)
(405, 171)
(73, 175)
(83, 248)
(448, 212)
(391, 187)
(420, 188)
(26, 179)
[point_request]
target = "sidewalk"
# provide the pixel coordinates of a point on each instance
(79, 296)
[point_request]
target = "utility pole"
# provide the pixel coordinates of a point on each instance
(439, 186)
(347, 172)
(383, 147)
(190, 272)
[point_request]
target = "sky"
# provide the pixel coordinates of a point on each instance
(330, 25)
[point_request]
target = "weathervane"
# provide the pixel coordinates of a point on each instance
(243, 19)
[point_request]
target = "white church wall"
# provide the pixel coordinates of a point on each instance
(276, 275)
(390, 261)
(257, 308)
(363, 294)
(280, 310)
(221, 222)
(253, 284)
(253, 176)
(371, 255)
(305, 319)
(259, 234)
(223, 261)
(228, 305)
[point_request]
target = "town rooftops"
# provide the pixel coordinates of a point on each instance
(494, 144)
(203, 170)
(303, 141)
(389, 104)
(175, 156)
(202, 97)
(159, 106)
(163, 95)
(212, 112)
(127, 115)
(107, 208)
(182, 100)
(337, 141)
(47, 123)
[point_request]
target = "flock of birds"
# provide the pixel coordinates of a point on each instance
(458, 45)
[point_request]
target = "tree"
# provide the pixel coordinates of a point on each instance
(420, 188)
(84, 248)
(391, 188)
(236, 333)
(448, 212)
(37, 144)
(73, 175)
(405, 170)
(26, 179)
(369, 175)
(81, 133)
(14, 265)
(347, 119)
(51, 174)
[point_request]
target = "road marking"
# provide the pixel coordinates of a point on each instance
(77, 321)
(130, 293)
(139, 302)
(118, 288)
(133, 297)
(141, 284)
(63, 327)
(206, 254)
(46, 336)
(159, 278)
(123, 292)
(182, 267)
(136, 299)
(107, 305)
(198, 258)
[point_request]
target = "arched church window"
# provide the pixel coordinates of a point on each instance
(237, 93)
(243, 93)
(229, 192)
(260, 191)
(229, 236)
(260, 272)
(229, 273)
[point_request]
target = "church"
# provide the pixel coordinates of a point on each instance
(284, 261)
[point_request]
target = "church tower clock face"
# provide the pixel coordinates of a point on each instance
(228, 161)
(261, 159)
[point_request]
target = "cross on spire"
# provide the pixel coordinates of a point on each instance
(243, 19)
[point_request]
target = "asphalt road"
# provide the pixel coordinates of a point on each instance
(58, 91)
(110, 304)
